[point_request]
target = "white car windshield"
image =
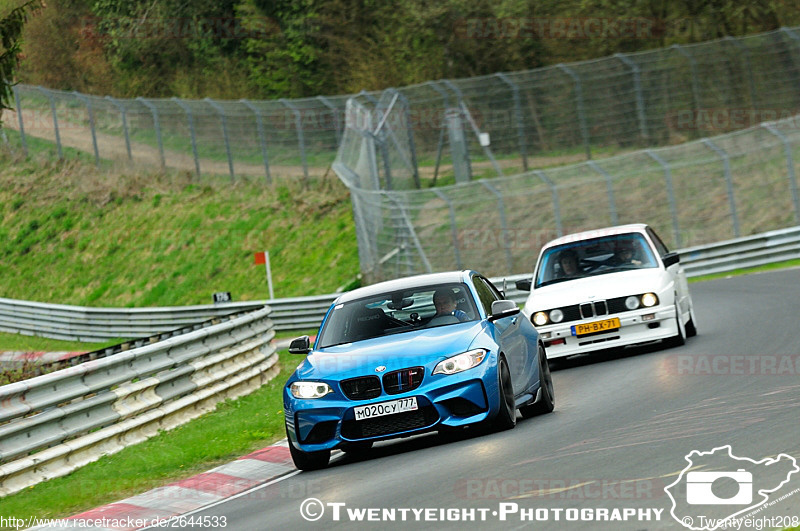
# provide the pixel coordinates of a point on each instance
(398, 312)
(598, 256)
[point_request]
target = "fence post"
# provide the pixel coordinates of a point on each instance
(459, 147)
(411, 145)
(19, 118)
(224, 120)
(337, 123)
(157, 126)
(502, 206)
(519, 118)
(446, 98)
(787, 149)
(670, 195)
(449, 84)
(124, 113)
(190, 117)
(55, 120)
(88, 104)
(637, 88)
(728, 181)
(748, 66)
(261, 138)
(610, 186)
(453, 228)
(554, 193)
(298, 121)
(579, 107)
(693, 68)
(793, 36)
(411, 231)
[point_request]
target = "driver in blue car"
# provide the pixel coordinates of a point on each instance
(445, 302)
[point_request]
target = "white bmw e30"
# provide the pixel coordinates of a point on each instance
(608, 288)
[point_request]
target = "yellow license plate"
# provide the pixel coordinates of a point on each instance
(598, 326)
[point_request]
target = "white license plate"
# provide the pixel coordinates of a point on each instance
(386, 408)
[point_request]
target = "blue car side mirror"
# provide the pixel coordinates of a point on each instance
(300, 345)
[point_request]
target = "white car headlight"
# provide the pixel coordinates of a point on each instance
(632, 302)
(556, 316)
(461, 362)
(540, 318)
(310, 389)
(649, 299)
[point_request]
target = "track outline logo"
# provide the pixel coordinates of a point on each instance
(700, 492)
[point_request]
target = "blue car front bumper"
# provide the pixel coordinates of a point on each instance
(443, 401)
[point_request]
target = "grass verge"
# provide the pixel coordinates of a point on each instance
(235, 428)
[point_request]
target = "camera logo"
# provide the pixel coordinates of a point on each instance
(699, 488)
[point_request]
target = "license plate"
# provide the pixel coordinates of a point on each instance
(597, 326)
(385, 408)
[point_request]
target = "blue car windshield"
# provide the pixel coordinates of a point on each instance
(396, 313)
(598, 256)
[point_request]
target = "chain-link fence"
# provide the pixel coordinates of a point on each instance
(534, 118)
(700, 192)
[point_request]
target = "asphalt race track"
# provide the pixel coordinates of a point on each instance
(623, 426)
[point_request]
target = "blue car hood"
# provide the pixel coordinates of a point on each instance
(398, 351)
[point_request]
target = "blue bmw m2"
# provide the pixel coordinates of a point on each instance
(432, 352)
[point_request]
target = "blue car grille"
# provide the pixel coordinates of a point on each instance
(361, 388)
(389, 424)
(403, 380)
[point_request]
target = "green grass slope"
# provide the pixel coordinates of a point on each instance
(73, 234)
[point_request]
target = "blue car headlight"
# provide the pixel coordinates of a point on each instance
(460, 362)
(310, 389)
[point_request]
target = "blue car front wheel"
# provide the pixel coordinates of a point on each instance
(308, 460)
(507, 416)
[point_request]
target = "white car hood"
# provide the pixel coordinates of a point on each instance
(601, 287)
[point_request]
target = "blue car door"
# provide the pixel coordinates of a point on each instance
(509, 335)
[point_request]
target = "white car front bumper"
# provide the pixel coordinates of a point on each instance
(635, 327)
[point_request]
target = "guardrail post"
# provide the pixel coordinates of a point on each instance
(748, 66)
(693, 69)
(637, 88)
(518, 117)
(298, 121)
(157, 126)
(787, 149)
(261, 138)
(453, 228)
(610, 187)
(337, 124)
(728, 181)
(55, 120)
(124, 113)
(579, 107)
(193, 136)
(554, 193)
(19, 118)
(446, 101)
(88, 104)
(670, 195)
(224, 120)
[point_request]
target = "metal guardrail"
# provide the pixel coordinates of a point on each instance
(305, 313)
(55, 423)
